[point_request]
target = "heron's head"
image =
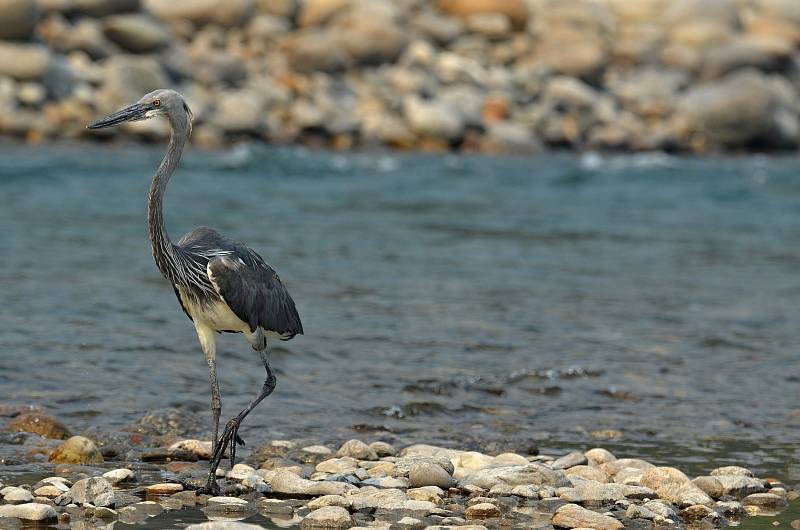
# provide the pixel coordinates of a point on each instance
(162, 102)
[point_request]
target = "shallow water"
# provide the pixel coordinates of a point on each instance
(478, 302)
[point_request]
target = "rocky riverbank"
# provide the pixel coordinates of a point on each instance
(142, 474)
(492, 76)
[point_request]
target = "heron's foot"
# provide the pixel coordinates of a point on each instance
(230, 437)
(211, 488)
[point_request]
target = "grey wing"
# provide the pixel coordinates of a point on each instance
(254, 292)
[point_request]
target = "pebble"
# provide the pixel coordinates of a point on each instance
(575, 458)
(290, 484)
(37, 422)
(116, 476)
(328, 517)
(427, 474)
(599, 456)
(432, 494)
(573, 516)
(328, 500)
(764, 501)
(740, 485)
(383, 449)
(201, 449)
(483, 510)
(163, 489)
(358, 450)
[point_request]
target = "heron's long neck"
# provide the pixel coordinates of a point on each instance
(164, 251)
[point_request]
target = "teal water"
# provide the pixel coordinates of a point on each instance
(478, 302)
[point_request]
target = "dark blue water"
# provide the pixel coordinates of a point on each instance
(480, 302)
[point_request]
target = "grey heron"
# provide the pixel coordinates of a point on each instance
(222, 285)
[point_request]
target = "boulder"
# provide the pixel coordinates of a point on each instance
(18, 19)
(234, 12)
(136, 33)
(77, 450)
(41, 424)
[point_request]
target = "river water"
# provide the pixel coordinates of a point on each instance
(646, 303)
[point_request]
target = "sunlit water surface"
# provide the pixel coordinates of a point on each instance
(475, 302)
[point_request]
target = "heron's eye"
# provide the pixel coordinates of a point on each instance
(156, 102)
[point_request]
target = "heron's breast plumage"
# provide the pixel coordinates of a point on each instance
(213, 313)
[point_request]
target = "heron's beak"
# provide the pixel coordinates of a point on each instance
(135, 112)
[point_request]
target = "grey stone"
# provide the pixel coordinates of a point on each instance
(24, 62)
(126, 79)
(573, 516)
(731, 470)
(533, 473)
(328, 517)
(136, 33)
(575, 458)
(427, 474)
(740, 485)
(224, 525)
(765, 501)
(383, 449)
(433, 118)
(115, 476)
(96, 491)
(203, 11)
(29, 512)
(290, 484)
(673, 485)
(15, 495)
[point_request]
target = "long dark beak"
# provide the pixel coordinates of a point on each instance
(133, 113)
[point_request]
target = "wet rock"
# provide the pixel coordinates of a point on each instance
(764, 501)
(356, 449)
(224, 525)
(18, 19)
(166, 488)
(116, 476)
(615, 466)
(227, 506)
(39, 423)
(516, 11)
(76, 450)
(14, 495)
(386, 482)
(290, 484)
(328, 517)
(740, 485)
(51, 491)
(270, 507)
(483, 510)
(427, 474)
(573, 516)
(29, 512)
(711, 486)
(201, 449)
(24, 62)
(574, 458)
(591, 493)
(328, 500)
(136, 33)
(699, 512)
(371, 497)
(729, 508)
(235, 13)
(673, 485)
(240, 472)
(516, 475)
(635, 511)
(96, 491)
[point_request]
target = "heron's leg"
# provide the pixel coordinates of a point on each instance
(230, 436)
(208, 343)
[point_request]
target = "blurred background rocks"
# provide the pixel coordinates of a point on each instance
(494, 76)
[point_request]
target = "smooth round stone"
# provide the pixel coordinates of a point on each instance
(77, 450)
(29, 512)
(226, 501)
(50, 491)
(483, 510)
(17, 495)
(163, 489)
(96, 491)
(328, 517)
(428, 474)
(357, 449)
(115, 476)
(383, 448)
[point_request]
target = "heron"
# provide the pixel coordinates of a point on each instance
(223, 286)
